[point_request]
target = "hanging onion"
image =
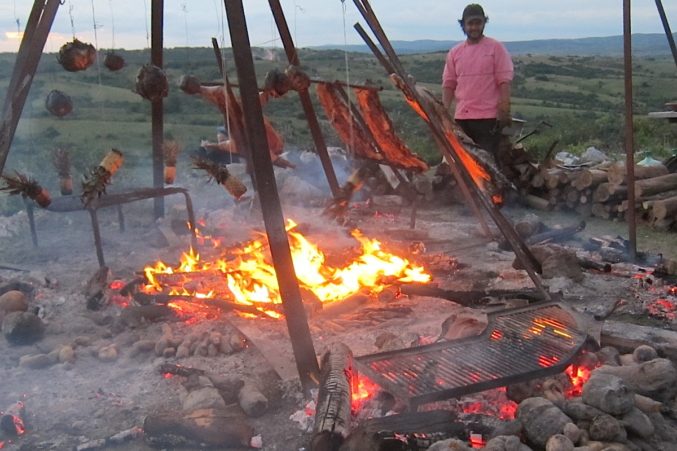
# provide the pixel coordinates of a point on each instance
(113, 62)
(151, 83)
(58, 103)
(77, 55)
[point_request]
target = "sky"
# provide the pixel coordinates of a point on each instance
(125, 23)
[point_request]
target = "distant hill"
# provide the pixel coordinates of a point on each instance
(654, 44)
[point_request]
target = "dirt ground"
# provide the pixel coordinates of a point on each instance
(71, 403)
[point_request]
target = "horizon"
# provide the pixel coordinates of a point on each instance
(122, 24)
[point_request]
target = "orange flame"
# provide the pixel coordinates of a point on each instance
(249, 277)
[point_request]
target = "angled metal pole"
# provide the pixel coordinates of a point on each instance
(157, 111)
(295, 314)
(31, 49)
(666, 27)
(629, 129)
(306, 102)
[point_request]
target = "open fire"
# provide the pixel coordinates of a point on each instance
(246, 275)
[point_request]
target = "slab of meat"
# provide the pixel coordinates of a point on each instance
(394, 149)
(348, 130)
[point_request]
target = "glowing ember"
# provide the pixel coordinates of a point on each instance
(366, 390)
(476, 441)
(116, 285)
(247, 275)
(578, 377)
(663, 308)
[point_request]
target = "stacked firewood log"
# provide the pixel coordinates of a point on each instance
(599, 190)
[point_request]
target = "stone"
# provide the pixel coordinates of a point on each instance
(608, 393)
(108, 353)
(644, 353)
(504, 443)
(142, 347)
(580, 411)
(22, 328)
(606, 428)
(559, 442)
(541, 420)
(638, 423)
(203, 398)
(35, 361)
(572, 432)
(13, 301)
(656, 378)
(609, 355)
(452, 444)
(66, 354)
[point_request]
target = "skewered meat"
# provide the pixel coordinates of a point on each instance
(395, 150)
(348, 130)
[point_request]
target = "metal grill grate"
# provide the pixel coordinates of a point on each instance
(517, 345)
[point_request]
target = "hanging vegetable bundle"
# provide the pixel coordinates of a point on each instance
(170, 150)
(58, 103)
(113, 61)
(219, 172)
(27, 187)
(76, 56)
(151, 83)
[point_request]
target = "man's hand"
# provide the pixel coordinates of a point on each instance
(504, 116)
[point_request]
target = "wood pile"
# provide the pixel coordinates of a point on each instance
(600, 190)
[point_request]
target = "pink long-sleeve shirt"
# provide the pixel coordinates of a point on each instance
(474, 72)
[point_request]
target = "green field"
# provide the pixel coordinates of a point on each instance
(582, 97)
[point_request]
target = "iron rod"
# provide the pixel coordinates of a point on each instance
(306, 102)
(666, 27)
(629, 129)
(16, 99)
(295, 314)
(157, 111)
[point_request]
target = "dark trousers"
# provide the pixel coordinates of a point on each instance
(485, 133)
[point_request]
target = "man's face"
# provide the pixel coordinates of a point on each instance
(474, 29)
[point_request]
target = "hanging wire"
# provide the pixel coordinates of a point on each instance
(347, 64)
(184, 8)
(145, 10)
(112, 22)
(98, 60)
(220, 17)
(70, 13)
(18, 22)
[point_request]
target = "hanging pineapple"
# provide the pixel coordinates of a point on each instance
(61, 160)
(27, 187)
(220, 173)
(94, 184)
(170, 149)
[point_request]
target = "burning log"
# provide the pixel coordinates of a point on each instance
(58, 103)
(252, 401)
(12, 420)
(332, 418)
(220, 174)
(61, 160)
(113, 61)
(94, 185)
(76, 56)
(27, 187)
(151, 83)
(211, 427)
(116, 439)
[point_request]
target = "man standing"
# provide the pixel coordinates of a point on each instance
(477, 76)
